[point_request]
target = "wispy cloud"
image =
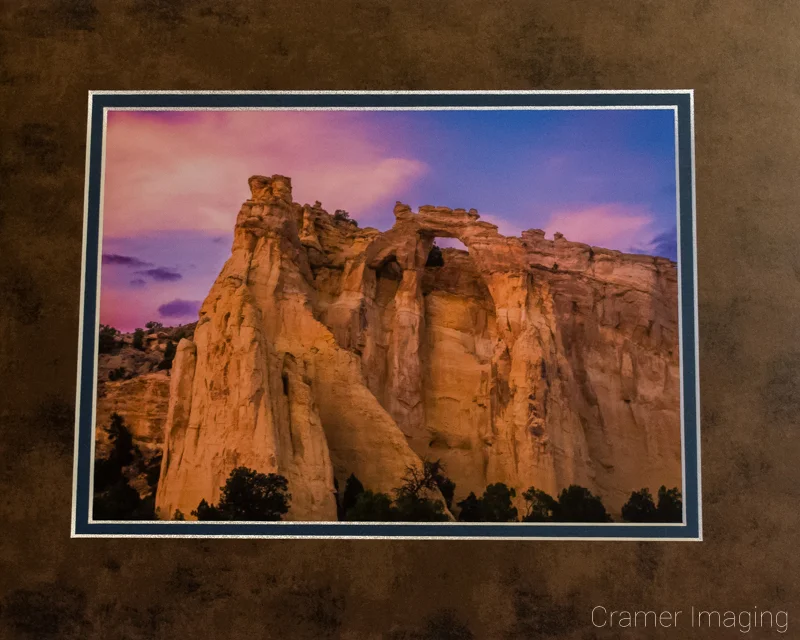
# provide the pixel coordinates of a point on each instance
(189, 170)
(666, 244)
(627, 228)
(124, 261)
(612, 226)
(161, 274)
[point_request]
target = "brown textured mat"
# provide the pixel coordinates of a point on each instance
(740, 57)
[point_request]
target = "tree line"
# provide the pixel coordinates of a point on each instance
(250, 495)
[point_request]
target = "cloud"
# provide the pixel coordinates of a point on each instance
(161, 274)
(138, 282)
(179, 308)
(627, 228)
(189, 170)
(612, 226)
(666, 244)
(125, 261)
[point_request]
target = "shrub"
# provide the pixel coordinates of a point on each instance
(248, 495)
(371, 507)
(153, 325)
(106, 339)
(411, 509)
(138, 339)
(446, 486)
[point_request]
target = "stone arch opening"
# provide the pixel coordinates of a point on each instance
(449, 242)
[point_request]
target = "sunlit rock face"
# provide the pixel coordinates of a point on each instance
(323, 350)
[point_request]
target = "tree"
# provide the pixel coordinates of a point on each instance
(371, 507)
(352, 489)
(248, 495)
(153, 325)
(471, 509)
(340, 215)
(494, 506)
(497, 505)
(411, 509)
(117, 501)
(412, 503)
(169, 356)
(138, 339)
(639, 507)
(578, 504)
(114, 497)
(670, 505)
(107, 339)
(539, 506)
(446, 486)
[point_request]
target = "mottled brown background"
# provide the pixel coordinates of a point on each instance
(743, 60)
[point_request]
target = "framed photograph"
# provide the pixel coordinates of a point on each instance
(419, 315)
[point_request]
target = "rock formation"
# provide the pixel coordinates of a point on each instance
(323, 350)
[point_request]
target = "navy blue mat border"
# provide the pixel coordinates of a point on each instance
(99, 101)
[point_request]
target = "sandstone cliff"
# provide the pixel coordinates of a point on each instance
(323, 349)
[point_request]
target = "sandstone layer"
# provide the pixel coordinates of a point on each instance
(323, 350)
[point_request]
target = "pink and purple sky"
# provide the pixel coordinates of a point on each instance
(174, 182)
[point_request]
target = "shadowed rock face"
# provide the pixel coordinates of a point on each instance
(323, 350)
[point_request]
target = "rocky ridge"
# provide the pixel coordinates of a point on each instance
(323, 349)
